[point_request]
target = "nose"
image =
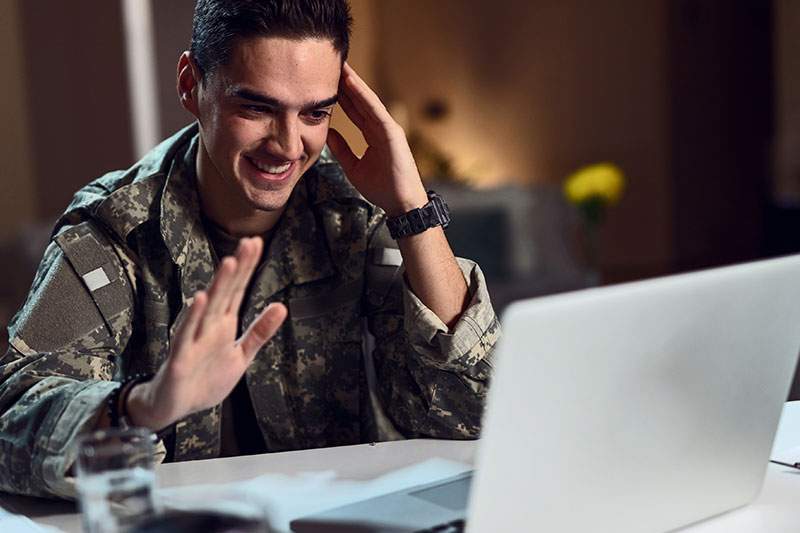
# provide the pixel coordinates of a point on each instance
(286, 141)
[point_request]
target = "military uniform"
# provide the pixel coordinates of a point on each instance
(124, 263)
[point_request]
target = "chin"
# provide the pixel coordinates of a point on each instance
(272, 201)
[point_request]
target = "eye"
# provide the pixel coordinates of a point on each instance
(255, 109)
(256, 112)
(318, 116)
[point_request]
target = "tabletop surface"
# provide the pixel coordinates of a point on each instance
(775, 509)
(359, 462)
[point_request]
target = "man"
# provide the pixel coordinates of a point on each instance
(223, 290)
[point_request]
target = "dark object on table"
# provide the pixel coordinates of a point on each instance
(205, 521)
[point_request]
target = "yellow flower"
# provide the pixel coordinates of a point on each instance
(602, 182)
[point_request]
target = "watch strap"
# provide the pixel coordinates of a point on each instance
(434, 213)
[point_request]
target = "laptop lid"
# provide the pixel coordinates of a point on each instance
(637, 407)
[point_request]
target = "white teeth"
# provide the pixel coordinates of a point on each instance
(270, 169)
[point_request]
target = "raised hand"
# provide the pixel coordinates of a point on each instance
(386, 175)
(206, 359)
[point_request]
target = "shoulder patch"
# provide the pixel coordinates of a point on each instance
(92, 257)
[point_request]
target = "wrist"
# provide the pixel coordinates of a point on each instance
(407, 203)
(140, 409)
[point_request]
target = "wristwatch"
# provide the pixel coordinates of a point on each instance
(434, 213)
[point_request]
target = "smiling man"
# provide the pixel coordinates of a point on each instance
(243, 288)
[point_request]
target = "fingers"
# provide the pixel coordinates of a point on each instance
(262, 329)
(218, 294)
(188, 329)
(231, 278)
(248, 254)
(349, 108)
(361, 96)
(341, 151)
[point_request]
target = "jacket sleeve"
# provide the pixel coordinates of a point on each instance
(431, 382)
(57, 372)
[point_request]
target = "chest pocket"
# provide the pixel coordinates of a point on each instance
(325, 376)
(324, 304)
(327, 323)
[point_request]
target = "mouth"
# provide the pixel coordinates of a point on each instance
(269, 171)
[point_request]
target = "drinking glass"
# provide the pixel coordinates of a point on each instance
(115, 479)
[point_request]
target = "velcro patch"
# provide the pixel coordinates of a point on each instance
(387, 257)
(92, 257)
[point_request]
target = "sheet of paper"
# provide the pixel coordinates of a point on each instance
(281, 499)
(791, 455)
(15, 523)
(788, 434)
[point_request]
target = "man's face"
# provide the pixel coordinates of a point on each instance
(264, 118)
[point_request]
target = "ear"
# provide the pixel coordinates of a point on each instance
(188, 83)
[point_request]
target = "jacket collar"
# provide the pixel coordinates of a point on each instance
(326, 182)
(125, 200)
(179, 215)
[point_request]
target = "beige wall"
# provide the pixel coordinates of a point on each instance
(363, 58)
(537, 89)
(76, 84)
(17, 182)
(172, 29)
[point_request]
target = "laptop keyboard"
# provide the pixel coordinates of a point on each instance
(456, 526)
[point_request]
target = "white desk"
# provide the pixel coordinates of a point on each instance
(360, 462)
(777, 508)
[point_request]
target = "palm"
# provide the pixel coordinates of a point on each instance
(208, 366)
(375, 162)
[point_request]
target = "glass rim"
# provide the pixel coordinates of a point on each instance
(114, 449)
(101, 436)
(106, 439)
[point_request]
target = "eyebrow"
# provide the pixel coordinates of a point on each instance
(254, 96)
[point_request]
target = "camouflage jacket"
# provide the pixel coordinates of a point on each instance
(124, 263)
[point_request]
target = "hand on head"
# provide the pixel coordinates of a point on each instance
(386, 174)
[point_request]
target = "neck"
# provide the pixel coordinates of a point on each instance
(225, 205)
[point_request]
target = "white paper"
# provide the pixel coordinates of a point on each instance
(14, 523)
(791, 455)
(281, 499)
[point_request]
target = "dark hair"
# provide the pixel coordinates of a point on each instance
(217, 24)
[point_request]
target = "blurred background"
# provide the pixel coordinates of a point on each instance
(696, 101)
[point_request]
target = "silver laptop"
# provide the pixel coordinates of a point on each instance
(638, 407)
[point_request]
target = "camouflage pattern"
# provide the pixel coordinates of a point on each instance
(72, 341)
